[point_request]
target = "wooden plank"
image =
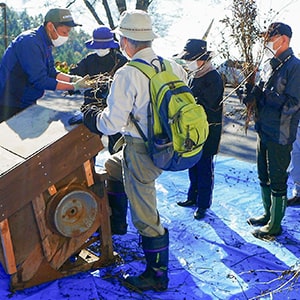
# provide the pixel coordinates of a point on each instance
(49, 246)
(31, 264)
(46, 168)
(105, 229)
(88, 170)
(35, 274)
(7, 246)
(52, 190)
(24, 232)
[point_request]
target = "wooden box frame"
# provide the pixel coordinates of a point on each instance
(31, 252)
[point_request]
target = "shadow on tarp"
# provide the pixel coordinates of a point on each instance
(255, 265)
(106, 283)
(290, 238)
(182, 284)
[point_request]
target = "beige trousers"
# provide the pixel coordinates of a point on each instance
(134, 167)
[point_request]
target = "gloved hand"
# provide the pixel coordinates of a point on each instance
(253, 93)
(247, 95)
(274, 99)
(82, 84)
(258, 90)
(90, 116)
(76, 119)
(248, 87)
(75, 78)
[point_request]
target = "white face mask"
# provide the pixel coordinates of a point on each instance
(268, 52)
(123, 50)
(193, 66)
(102, 52)
(60, 40)
(269, 49)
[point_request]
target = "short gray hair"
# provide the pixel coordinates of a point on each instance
(139, 44)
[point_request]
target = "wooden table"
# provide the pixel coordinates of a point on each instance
(51, 200)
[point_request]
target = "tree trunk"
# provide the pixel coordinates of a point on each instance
(143, 4)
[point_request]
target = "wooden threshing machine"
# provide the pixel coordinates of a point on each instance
(53, 205)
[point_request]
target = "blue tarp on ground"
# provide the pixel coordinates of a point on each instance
(216, 258)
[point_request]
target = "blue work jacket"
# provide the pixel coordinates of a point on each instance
(278, 108)
(27, 69)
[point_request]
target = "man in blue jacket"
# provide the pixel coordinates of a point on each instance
(27, 67)
(277, 100)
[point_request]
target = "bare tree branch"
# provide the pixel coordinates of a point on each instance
(121, 4)
(108, 14)
(92, 10)
(143, 4)
(70, 3)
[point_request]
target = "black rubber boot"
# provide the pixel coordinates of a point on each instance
(118, 203)
(155, 277)
(266, 199)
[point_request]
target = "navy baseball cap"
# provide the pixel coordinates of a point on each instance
(194, 49)
(278, 28)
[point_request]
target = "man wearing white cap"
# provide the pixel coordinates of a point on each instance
(129, 94)
(27, 67)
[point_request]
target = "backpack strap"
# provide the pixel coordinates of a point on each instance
(138, 127)
(148, 69)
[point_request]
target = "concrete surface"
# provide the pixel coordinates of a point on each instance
(236, 141)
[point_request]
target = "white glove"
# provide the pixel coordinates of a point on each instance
(74, 78)
(82, 84)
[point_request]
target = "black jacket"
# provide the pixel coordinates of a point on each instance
(93, 64)
(208, 91)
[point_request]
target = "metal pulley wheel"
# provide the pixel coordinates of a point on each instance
(72, 212)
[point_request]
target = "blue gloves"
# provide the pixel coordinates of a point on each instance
(90, 116)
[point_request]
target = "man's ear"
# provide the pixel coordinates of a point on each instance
(286, 40)
(49, 28)
(49, 25)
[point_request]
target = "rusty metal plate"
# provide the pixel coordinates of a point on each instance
(74, 213)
